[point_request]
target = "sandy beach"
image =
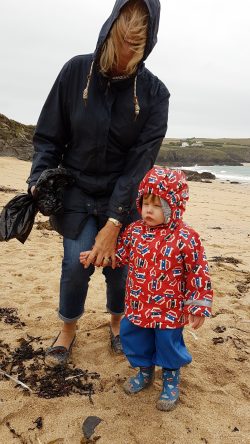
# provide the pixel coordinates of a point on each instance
(214, 402)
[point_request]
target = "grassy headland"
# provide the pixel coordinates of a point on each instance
(188, 152)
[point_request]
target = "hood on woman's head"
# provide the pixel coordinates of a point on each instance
(153, 7)
(170, 185)
(106, 52)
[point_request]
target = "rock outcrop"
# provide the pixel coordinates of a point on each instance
(15, 139)
(194, 176)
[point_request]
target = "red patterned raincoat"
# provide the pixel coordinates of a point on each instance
(167, 267)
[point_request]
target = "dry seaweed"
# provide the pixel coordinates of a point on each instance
(8, 189)
(225, 260)
(38, 422)
(26, 365)
(220, 329)
(43, 225)
(9, 316)
(218, 340)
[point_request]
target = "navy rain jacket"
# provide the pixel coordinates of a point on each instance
(100, 142)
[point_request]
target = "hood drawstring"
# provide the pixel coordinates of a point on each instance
(136, 102)
(86, 90)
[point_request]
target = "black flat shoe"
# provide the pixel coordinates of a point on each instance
(115, 342)
(58, 355)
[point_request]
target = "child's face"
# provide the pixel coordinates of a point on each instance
(152, 212)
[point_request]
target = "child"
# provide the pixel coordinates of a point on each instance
(168, 284)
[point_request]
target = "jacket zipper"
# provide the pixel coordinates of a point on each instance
(107, 88)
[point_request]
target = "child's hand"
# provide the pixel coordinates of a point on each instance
(84, 256)
(196, 321)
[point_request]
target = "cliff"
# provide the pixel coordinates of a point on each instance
(15, 139)
(188, 152)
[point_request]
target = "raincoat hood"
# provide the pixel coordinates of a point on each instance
(170, 185)
(153, 7)
(153, 25)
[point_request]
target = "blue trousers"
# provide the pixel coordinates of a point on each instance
(145, 347)
(75, 278)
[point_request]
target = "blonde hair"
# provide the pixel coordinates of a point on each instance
(131, 26)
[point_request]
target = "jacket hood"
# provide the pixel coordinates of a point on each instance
(169, 185)
(153, 25)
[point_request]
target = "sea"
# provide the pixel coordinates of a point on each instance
(225, 173)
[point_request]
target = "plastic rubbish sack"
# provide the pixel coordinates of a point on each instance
(17, 218)
(50, 189)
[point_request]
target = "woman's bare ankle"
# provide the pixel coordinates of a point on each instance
(69, 327)
(66, 335)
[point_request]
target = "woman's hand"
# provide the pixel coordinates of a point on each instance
(196, 321)
(84, 256)
(103, 251)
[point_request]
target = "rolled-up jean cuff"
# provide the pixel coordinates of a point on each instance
(113, 313)
(67, 320)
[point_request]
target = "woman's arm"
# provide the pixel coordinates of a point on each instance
(118, 256)
(105, 245)
(52, 130)
(141, 156)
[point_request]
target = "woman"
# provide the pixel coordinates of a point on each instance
(107, 133)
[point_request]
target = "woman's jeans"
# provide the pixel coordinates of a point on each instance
(75, 278)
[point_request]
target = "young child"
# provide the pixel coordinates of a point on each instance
(168, 285)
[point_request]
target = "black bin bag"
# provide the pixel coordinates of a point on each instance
(17, 217)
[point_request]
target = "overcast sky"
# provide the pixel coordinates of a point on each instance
(202, 55)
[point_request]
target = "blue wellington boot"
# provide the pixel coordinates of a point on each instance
(170, 391)
(143, 379)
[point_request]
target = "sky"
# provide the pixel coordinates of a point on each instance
(202, 56)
